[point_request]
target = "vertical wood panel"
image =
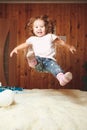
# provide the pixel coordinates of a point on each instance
(7, 42)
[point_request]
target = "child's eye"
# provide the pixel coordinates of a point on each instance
(42, 26)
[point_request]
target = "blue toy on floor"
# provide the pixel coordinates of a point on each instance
(13, 88)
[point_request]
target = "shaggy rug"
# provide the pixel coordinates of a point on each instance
(46, 109)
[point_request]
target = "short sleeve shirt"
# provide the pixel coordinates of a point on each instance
(43, 46)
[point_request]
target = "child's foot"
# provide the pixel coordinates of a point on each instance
(64, 78)
(32, 62)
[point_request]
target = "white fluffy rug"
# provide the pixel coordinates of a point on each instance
(46, 110)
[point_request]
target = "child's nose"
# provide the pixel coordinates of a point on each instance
(39, 28)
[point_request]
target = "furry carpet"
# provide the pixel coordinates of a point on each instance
(46, 109)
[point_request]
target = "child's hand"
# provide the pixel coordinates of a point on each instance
(72, 49)
(14, 51)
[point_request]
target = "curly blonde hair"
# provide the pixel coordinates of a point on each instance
(49, 24)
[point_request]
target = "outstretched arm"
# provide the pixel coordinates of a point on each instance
(61, 42)
(16, 49)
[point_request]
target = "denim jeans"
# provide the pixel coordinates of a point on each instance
(47, 65)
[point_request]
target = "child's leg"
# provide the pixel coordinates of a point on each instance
(31, 59)
(52, 67)
(39, 67)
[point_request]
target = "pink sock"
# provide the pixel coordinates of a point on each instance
(64, 78)
(32, 63)
(31, 59)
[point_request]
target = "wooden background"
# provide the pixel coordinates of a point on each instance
(71, 22)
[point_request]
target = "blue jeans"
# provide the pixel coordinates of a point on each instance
(47, 65)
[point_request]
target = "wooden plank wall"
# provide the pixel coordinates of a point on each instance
(71, 20)
(8, 40)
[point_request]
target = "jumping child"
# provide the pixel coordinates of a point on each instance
(41, 53)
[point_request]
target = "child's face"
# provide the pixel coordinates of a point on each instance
(39, 28)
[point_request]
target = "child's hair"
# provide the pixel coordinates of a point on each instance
(49, 24)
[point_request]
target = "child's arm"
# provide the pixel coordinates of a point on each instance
(61, 42)
(16, 49)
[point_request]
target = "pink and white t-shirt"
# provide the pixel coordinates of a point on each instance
(43, 46)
